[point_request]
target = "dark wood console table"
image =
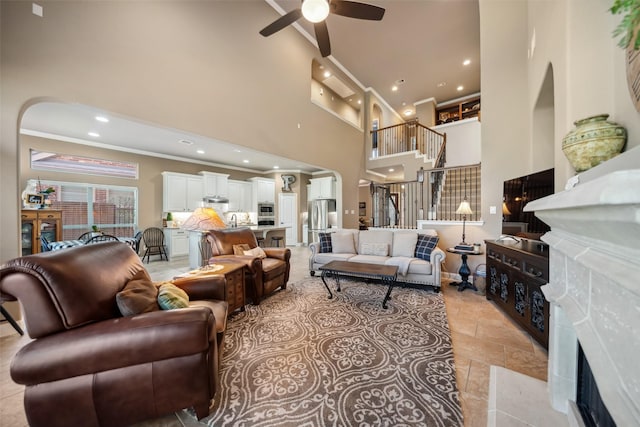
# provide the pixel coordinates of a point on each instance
(516, 269)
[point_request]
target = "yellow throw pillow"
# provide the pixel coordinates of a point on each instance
(170, 296)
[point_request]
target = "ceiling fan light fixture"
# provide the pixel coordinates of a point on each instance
(315, 10)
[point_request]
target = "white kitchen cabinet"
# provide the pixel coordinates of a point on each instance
(322, 188)
(177, 242)
(240, 196)
(264, 191)
(181, 192)
(215, 184)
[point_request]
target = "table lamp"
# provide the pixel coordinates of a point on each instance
(464, 209)
(203, 219)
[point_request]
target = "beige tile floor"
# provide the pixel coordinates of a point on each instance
(482, 336)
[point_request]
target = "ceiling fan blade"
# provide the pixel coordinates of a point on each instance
(352, 9)
(322, 37)
(280, 23)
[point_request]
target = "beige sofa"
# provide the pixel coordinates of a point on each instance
(383, 246)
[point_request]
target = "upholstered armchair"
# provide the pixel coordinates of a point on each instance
(263, 275)
(90, 365)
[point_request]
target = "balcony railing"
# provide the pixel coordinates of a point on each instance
(406, 137)
(401, 204)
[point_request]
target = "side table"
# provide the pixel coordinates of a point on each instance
(232, 275)
(464, 270)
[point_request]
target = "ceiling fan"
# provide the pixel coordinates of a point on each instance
(316, 11)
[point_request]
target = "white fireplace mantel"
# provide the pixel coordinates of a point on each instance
(594, 289)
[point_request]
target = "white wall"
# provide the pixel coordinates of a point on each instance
(463, 141)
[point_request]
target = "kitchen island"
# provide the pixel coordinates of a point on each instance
(199, 252)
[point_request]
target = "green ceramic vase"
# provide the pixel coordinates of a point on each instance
(593, 141)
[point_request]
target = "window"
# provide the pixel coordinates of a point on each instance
(70, 163)
(113, 209)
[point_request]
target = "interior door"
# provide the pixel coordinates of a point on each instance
(288, 215)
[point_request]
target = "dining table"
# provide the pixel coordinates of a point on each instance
(65, 244)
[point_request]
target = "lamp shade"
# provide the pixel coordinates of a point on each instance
(505, 209)
(464, 208)
(204, 219)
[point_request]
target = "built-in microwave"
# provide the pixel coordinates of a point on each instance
(265, 209)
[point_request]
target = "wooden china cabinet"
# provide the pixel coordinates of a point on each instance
(36, 223)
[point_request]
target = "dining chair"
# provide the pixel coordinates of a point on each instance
(85, 237)
(102, 238)
(153, 238)
(138, 238)
(46, 247)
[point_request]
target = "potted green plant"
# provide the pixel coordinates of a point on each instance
(630, 24)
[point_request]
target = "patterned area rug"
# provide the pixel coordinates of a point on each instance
(301, 359)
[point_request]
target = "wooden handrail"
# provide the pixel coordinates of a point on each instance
(407, 137)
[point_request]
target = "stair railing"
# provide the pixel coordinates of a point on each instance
(401, 204)
(407, 137)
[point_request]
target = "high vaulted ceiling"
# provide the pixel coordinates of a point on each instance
(419, 45)
(422, 43)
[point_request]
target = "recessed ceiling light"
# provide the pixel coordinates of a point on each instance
(466, 62)
(359, 101)
(408, 112)
(102, 119)
(94, 134)
(276, 167)
(327, 74)
(200, 151)
(245, 161)
(185, 142)
(391, 169)
(394, 88)
(459, 88)
(441, 84)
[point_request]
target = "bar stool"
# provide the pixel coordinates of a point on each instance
(277, 240)
(260, 241)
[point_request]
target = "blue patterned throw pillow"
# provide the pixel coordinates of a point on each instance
(325, 243)
(425, 245)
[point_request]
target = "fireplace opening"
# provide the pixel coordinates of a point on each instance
(592, 408)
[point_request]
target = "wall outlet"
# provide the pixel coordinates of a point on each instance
(492, 210)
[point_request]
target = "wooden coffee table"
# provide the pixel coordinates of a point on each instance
(386, 273)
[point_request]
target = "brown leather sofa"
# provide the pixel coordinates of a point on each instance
(87, 364)
(263, 275)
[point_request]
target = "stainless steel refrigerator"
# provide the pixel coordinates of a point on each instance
(321, 216)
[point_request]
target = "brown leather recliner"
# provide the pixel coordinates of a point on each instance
(263, 275)
(88, 365)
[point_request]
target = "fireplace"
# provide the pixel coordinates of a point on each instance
(588, 400)
(594, 291)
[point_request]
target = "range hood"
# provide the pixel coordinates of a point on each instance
(215, 199)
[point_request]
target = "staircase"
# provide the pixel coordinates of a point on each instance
(458, 184)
